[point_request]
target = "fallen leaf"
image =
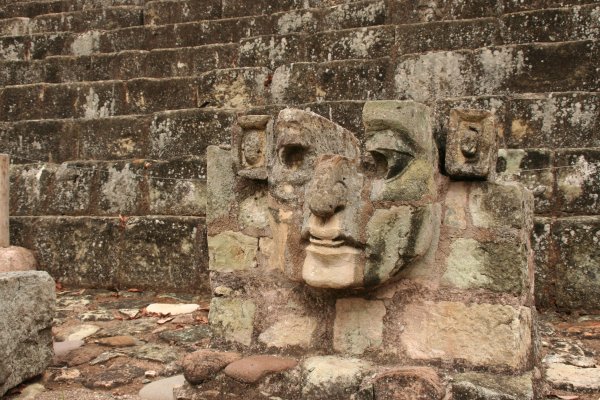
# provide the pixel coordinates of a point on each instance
(563, 396)
(134, 290)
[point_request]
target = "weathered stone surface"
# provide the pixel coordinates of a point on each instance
(290, 331)
(578, 181)
(533, 169)
(569, 377)
(331, 377)
(232, 319)
(220, 183)
(162, 389)
(480, 334)
(358, 325)
(27, 304)
(117, 341)
(409, 383)
(577, 269)
(15, 258)
(232, 251)
(500, 266)
(113, 377)
(203, 365)
(169, 12)
(359, 43)
(254, 368)
(474, 386)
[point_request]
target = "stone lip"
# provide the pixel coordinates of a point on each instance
(203, 365)
(252, 369)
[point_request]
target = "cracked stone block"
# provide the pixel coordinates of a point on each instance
(358, 325)
(27, 304)
(232, 319)
(232, 251)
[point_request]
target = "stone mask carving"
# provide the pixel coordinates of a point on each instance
(342, 219)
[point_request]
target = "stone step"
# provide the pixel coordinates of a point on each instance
(75, 21)
(191, 34)
(145, 252)
(225, 88)
(31, 9)
(163, 135)
(129, 64)
(110, 188)
(163, 12)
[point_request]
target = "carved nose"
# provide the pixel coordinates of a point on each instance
(327, 192)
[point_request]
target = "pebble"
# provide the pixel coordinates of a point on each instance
(113, 377)
(162, 389)
(203, 365)
(172, 309)
(252, 369)
(118, 341)
(104, 357)
(62, 348)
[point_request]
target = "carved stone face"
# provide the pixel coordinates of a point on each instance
(342, 219)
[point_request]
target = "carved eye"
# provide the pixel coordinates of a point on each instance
(390, 163)
(292, 155)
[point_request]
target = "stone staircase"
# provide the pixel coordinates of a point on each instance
(107, 107)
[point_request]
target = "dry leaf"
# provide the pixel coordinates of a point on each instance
(164, 320)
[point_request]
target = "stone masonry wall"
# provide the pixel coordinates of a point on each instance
(107, 107)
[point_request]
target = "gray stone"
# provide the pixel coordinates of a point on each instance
(27, 305)
(233, 319)
(358, 325)
(152, 352)
(162, 389)
(570, 377)
(62, 348)
(220, 183)
(113, 377)
(480, 334)
(290, 330)
(479, 386)
(232, 251)
(186, 335)
(203, 365)
(330, 376)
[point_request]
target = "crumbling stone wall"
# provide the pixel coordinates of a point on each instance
(108, 106)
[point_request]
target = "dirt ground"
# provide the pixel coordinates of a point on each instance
(108, 345)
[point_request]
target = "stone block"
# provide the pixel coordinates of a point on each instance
(346, 15)
(220, 184)
(29, 188)
(290, 331)
(232, 251)
(347, 113)
(477, 386)
(234, 88)
(21, 72)
(177, 187)
(560, 120)
(358, 43)
(493, 205)
(498, 266)
(578, 181)
(570, 377)
(455, 214)
(408, 383)
(552, 25)
(107, 18)
(413, 11)
(120, 188)
(297, 21)
(188, 132)
(114, 138)
(352, 80)
(150, 95)
(332, 377)
(172, 12)
(27, 305)
(447, 35)
(358, 325)
(232, 319)
(578, 264)
(485, 335)
(273, 50)
(166, 253)
(254, 215)
(471, 144)
(545, 276)
(533, 169)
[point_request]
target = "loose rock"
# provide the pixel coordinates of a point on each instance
(252, 369)
(202, 365)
